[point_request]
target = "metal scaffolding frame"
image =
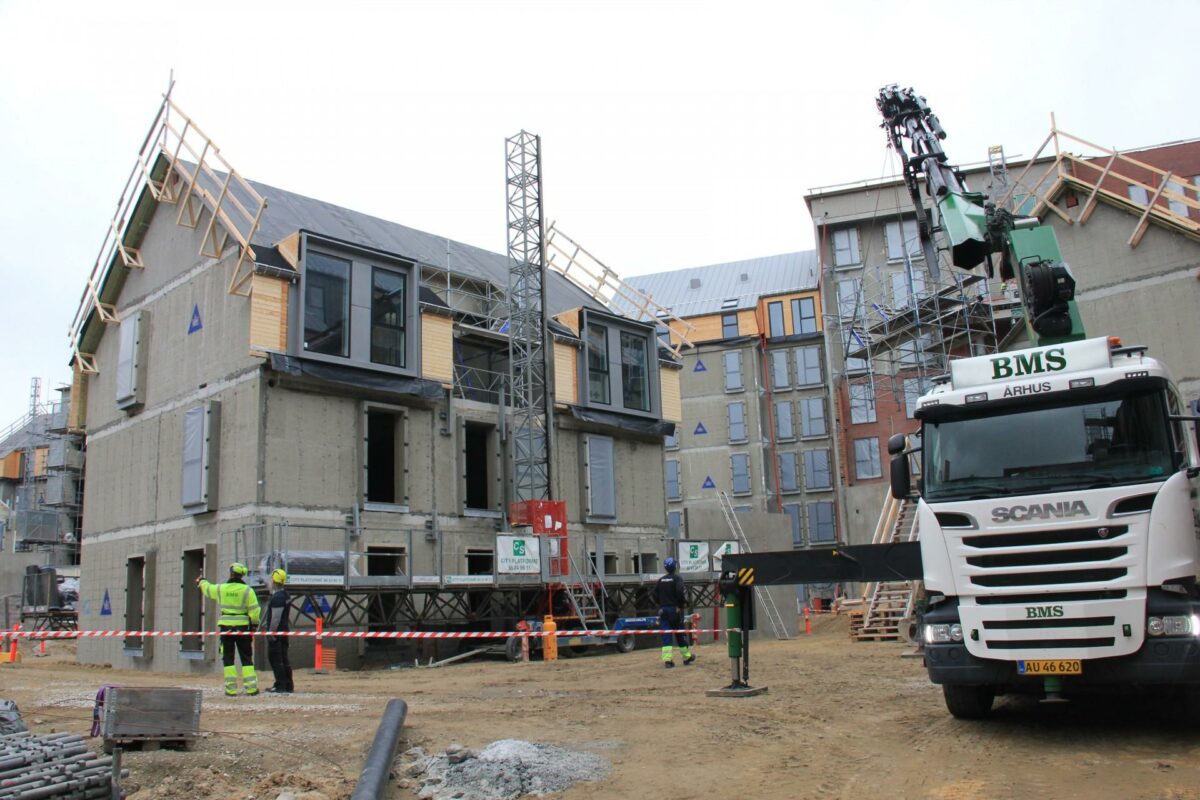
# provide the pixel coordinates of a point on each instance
(528, 363)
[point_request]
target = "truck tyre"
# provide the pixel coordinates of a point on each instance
(512, 649)
(968, 701)
(625, 643)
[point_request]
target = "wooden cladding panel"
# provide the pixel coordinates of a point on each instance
(566, 373)
(289, 248)
(41, 456)
(672, 398)
(570, 318)
(10, 466)
(786, 300)
(437, 348)
(268, 314)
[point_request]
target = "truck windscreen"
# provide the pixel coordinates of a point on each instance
(1119, 436)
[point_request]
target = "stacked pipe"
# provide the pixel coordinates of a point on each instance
(57, 765)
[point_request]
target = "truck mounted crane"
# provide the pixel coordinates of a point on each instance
(1056, 508)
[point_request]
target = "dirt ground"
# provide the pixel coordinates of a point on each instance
(840, 720)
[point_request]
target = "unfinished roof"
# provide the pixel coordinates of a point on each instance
(734, 285)
(288, 212)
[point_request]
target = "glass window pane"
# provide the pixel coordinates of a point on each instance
(1177, 206)
(866, 458)
(808, 366)
(902, 238)
(740, 466)
(387, 318)
(812, 411)
(729, 326)
(789, 469)
(816, 469)
(635, 374)
(671, 441)
(849, 297)
(783, 420)
(737, 422)
(845, 247)
(733, 370)
(597, 364)
(804, 315)
(775, 319)
(779, 369)
(674, 523)
(862, 402)
(793, 511)
(326, 304)
(1138, 194)
(820, 522)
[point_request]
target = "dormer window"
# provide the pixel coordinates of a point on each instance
(619, 365)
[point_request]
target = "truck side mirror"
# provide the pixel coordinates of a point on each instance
(901, 481)
(896, 444)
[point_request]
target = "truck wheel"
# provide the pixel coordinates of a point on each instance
(625, 643)
(512, 649)
(967, 701)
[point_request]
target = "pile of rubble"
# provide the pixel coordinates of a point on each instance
(504, 770)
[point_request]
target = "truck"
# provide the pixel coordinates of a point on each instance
(1056, 510)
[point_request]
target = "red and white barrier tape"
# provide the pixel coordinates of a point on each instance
(356, 634)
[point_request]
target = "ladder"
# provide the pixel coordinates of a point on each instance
(890, 603)
(583, 600)
(764, 598)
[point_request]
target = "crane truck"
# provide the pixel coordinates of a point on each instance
(1058, 539)
(1056, 512)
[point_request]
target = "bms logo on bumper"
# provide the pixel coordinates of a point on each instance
(1059, 510)
(1040, 612)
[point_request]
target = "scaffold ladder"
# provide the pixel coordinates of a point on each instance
(770, 611)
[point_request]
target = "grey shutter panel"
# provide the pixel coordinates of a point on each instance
(602, 496)
(201, 446)
(131, 357)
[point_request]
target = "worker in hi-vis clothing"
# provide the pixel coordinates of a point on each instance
(672, 596)
(239, 612)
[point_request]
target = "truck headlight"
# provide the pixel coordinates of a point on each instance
(1172, 626)
(943, 633)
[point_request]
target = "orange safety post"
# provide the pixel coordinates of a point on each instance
(13, 655)
(523, 626)
(807, 622)
(42, 647)
(318, 650)
(550, 640)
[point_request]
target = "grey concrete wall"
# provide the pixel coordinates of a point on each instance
(1147, 295)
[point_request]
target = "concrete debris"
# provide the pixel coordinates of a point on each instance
(504, 770)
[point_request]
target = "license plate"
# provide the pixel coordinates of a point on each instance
(1050, 666)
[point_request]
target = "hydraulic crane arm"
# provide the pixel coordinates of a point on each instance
(974, 228)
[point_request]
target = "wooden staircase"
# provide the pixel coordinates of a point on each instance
(887, 606)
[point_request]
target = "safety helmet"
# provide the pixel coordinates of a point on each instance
(238, 568)
(279, 577)
(670, 564)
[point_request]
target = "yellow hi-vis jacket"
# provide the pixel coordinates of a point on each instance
(239, 606)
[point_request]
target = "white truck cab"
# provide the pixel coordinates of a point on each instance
(1057, 525)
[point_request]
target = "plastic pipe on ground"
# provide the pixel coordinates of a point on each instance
(372, 781)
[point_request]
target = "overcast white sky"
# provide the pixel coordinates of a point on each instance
(674, 134)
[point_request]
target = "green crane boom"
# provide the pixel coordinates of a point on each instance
(974, 228)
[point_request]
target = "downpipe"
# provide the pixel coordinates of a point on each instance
(377, 766)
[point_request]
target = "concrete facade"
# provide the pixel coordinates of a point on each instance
(286, 462)
(1146, 294)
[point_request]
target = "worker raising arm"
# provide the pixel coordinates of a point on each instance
(239, 613)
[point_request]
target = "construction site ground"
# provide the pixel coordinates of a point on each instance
(841, 719)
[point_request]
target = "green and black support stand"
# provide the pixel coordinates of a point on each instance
(737, 595)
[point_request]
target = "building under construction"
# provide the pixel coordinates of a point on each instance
(386, 413)
(41, 493)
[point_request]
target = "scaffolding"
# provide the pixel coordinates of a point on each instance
(901, 326)
(48, 488)
(177, 164)
(528, 355)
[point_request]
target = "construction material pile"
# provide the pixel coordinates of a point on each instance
(504, 770)
(57, 765)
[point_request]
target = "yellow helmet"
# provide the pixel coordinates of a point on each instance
(238, 568)
(279, 577)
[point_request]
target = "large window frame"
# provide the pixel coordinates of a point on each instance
(814, 423)
(822, 524)
(808, 366)
(732, 361)
(862, 403)
(740, 478)
(903, 238)
(818, 474)
(615, 380)
(804, 315)
(735, 414)
(377, 332)
(775, 324)
(866, 459)
(846, 252)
